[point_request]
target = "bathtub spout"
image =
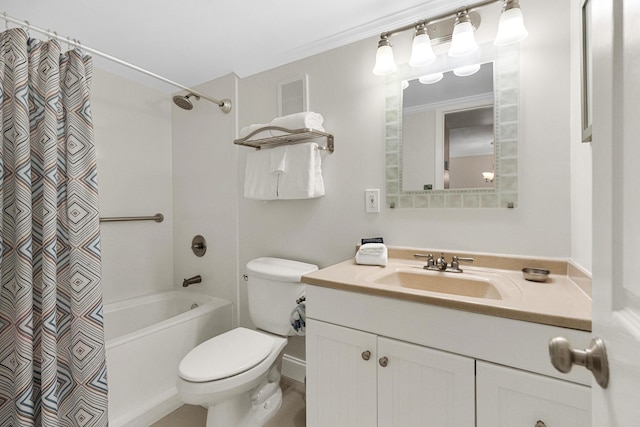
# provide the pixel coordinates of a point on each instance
(191, 280)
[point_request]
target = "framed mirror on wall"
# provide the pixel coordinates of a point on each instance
(587, 74)
(454, 143)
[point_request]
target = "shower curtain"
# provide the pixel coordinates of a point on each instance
(52, 352)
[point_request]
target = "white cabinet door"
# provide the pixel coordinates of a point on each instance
(508, 397)
(422, 387)
(341, 384)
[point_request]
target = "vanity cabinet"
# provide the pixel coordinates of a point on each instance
(444, 367)
(356, 378)
(509, 397)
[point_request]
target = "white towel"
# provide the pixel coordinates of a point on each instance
(372, 254)
(306, 119)
(278, 159)
(248, 129)
(259, 182)
(302, 178)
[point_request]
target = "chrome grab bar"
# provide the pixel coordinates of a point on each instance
(157, 218)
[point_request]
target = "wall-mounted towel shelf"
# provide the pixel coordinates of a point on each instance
(291, 136)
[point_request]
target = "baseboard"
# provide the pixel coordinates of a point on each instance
(294, 368)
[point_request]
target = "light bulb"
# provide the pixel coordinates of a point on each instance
(421, 50)
(511, 27)
(385, 64)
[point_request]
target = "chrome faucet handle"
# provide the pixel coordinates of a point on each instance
(430, 262)
(455, 263)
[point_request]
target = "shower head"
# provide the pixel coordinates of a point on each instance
(184, 102)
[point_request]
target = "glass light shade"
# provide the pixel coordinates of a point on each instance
(463, 41)
(385, 64)
(430, 78)
(405, 84)
(466, 70)
(510, 28)
(421, 51)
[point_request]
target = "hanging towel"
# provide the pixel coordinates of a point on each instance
(302, 178)
(306, 119)
(298, 319)
(259, 182)
(278, 159)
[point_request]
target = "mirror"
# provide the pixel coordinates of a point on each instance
(453, 143)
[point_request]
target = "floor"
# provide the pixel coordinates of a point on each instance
(291, 414)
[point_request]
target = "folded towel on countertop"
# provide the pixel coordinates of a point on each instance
(372, 254)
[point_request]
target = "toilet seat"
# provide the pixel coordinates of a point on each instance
(226, 355)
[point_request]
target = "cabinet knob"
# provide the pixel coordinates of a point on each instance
(540, 424)
(383, 362)
(366, 355)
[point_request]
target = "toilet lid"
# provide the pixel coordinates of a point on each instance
(226, 355)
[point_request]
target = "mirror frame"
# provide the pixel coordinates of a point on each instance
(506, 111)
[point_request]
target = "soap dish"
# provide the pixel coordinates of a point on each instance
(536, 274)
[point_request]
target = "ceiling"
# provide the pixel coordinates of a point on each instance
(194, 41)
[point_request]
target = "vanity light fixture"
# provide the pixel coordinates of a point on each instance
(457, 27)
(385, 64)
(511, 25)
(463, 41)
(421, 49)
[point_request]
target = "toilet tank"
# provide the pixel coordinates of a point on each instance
(273, 286)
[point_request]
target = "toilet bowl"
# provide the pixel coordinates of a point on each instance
(236, 375)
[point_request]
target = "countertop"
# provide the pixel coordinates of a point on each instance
(559, 301)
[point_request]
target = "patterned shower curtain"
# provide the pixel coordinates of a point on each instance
(52, 352)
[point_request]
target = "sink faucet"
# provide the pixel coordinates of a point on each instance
(191, 280)
(440, 264)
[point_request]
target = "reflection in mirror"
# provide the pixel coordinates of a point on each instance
(464, 152)
(468, 148)
(447, 131)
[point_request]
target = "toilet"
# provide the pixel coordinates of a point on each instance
(236, 375)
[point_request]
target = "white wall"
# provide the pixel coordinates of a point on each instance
(133, 142)
(581, 157)
(204, 191)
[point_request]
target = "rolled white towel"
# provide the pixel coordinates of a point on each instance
(306, 119)
(248, 129)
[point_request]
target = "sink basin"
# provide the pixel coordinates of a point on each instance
(461, 284)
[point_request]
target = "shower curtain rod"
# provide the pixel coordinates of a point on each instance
(225, 104)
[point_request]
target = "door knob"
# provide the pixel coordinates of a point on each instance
(366, 355)
(563, 357)
(383, 362)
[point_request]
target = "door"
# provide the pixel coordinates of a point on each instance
(341, 376)
(616, 201)
(422, 387)
(508, 397)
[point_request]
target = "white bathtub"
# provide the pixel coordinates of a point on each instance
(146, 339)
